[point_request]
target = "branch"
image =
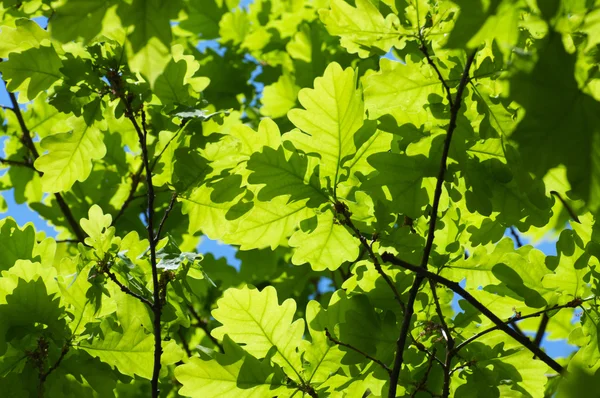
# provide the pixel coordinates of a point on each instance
(408, 313)
(501, 325)
(447, 337)
(18, 163)
(516, 236)
(364, 354)
(425, 52)
(539, 335)
(571, 304)
(116, 83)
(184, 342)
(165, 216)
(341, 208)
(423, 381)
(28, 142)
(125, 289)
(566, 205)
(44, 376)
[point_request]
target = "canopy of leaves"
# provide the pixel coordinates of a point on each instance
(363, 159)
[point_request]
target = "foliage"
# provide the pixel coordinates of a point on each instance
(364, 157)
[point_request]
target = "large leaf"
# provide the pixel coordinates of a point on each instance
(363, 30)
(255, 318)
(333, 113)
(234, 374)
(32, 71)
(70, 155)
(325, 247)
(541, 135)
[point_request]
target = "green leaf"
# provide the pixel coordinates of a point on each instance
(230, 375)
(98, 228)
(23, 36)
(281, 172)
(255, 318)
(15, 243)
(149, 37)
(333, 113)
(30, 309)
(31, 71)
(268, 224)
(548, 116)
(405, 184)
(79, 19)
(70, 155)
(404, 91)
(278, 98)
(363, 30)
(486, 20)
(326, 247)
(130, 350)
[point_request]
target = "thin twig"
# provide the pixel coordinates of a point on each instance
(571, 304)
(566, 205)
(184, 342)
(28, 142)
(464, 365)
(44, 376)
(126, 290)
(423, 381)
(447, 337)
(425, 52)
(364, 354)
(165, 216)
(539, 335)
(342, 208)
(408, 313)
(516, 237)
(501, 325)
(202, 324)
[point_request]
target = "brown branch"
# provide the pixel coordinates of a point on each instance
(165, 216)
(566, 205)
(342, 208)
(408, 313)
(28, 142)
(501, 325)
(364, 354)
